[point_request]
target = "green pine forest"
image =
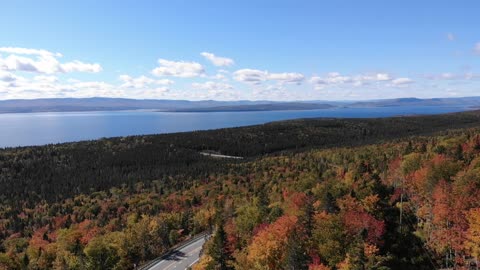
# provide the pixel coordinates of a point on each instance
(319, 194)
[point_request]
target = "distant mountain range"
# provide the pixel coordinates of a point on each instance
(113, 104)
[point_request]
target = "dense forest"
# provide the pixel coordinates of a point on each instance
(393, 193)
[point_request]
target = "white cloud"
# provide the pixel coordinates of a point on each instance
(221, 95)
(471, 76)
(130, 82)
(45, 84)
(448, 76)
(217, 94)
(255, 76)
(476, 49)
(318, 82)
(250, 75)
(219, 76)
(44, 67)
(154, 93)
(452, 76)
(402, 81)
(164, 82)
(450, 36)
(41, 61)
(332, 78)
(78, 66)
(178, 69)
(93, 85)
(162, 90)
(43, 64)
(50, 86)
(7, 76)
(383, 77)
(16, 50)
(286, 77)
(212, 86)
(217, 60)
(335, 79)
(142, 81)
(47, 79)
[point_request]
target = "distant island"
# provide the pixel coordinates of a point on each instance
(118, 104)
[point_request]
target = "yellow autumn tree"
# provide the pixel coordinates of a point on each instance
(473, 232)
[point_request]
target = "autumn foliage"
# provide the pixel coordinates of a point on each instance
(408, 204)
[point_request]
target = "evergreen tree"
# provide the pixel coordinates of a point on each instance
(296, 257)
(459, 152)
(218, 250)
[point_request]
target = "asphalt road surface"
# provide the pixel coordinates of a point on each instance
(182, 258)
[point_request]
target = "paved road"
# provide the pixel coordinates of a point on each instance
(182, 258)
(219, 156)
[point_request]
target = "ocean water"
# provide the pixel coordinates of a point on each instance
(24, 129)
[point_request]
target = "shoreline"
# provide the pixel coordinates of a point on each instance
(247, 126)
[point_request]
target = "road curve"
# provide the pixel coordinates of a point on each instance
(181, 258)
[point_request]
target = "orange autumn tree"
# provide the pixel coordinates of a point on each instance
(442, 213)
(267, 250)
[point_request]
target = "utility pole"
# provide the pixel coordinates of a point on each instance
(401, 203)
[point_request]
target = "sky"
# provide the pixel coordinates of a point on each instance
(238, 50)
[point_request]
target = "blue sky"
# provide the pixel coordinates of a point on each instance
(229, 50)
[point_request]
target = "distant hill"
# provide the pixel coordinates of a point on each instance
(287, 106)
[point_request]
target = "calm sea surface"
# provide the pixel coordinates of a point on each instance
(22, 129)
